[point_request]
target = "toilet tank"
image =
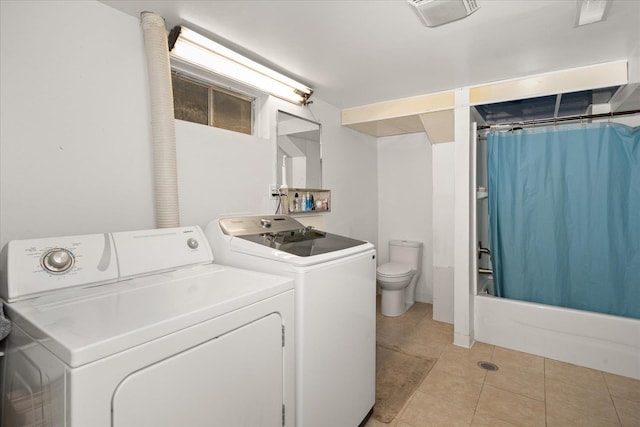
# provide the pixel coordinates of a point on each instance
(406, 252)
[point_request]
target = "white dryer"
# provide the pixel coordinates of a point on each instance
(335, 293)
(142, 329)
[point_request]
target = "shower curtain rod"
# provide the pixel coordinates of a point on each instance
(560, 119)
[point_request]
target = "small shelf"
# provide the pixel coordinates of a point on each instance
(292, 205)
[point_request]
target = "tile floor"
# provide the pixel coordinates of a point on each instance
(526, 390)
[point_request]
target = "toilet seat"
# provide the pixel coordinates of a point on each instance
(393, 270)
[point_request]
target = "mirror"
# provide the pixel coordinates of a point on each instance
(299, 156)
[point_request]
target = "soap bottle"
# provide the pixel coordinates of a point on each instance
(296, 203)
(308, 205)
(304, 203)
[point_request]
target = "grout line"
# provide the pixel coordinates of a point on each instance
(484, 380)
(544, 390)
(475, 410)
(613, 402)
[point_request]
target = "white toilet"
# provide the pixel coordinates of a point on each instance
(399, 276)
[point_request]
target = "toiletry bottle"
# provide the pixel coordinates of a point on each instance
(308, 205)
(312, 203)
(296, 203)
(304, 203)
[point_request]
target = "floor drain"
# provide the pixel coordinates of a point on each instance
(487, 366)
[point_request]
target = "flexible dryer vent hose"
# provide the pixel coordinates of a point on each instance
(163, 130)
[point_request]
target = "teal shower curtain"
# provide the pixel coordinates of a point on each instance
(564, 214)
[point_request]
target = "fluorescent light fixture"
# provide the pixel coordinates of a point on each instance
(590, 11)
(198, 50)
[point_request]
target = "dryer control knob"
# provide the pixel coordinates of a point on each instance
(193, 243)
(265, 223)
(57, 260)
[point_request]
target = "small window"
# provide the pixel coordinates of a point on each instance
(206, 104)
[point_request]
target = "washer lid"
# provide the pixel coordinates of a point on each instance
(83, 325)
(283, 239)
(305, 242)
(394, 269)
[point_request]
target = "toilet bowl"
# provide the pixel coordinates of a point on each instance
(393, 278)
(398, 277)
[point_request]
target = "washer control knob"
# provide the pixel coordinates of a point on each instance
(193, 243)
(265, 223)
(58, 260)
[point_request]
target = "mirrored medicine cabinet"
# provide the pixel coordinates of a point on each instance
(299, 154)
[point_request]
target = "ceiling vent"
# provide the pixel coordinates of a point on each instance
(433, 13)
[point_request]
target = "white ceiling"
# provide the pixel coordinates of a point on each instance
(358, 52)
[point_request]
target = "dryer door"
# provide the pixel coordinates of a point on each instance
(233, 380)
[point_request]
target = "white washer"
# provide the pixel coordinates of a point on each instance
(335, 292)
(141, 329)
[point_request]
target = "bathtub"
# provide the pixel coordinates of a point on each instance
(599, 341)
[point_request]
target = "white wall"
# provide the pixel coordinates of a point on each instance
(75, 139)
(349, 170)
(405, 200)
(221, 173)
(74, 130)
(443, 228)
(463, 256)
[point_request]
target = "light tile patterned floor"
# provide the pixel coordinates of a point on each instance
(527, 390)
